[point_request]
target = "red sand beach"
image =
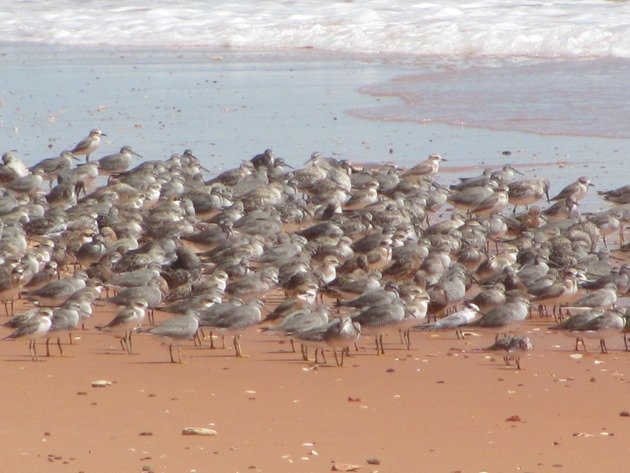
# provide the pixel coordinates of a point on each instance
(441, 406)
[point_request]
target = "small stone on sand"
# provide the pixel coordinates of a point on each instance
(101, 383)
(199, 431)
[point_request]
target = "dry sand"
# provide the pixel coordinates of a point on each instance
(441, 407)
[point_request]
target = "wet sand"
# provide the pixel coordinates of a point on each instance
(441, 406)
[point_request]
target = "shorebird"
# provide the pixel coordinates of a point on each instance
(341, 335)
(562, 292)
(470, 197)
(455, 321)
(88, 144)
(428, 167)
(12, 167)
(496, 202)
(620, 195)
(359, 283)
(607, 223)
(232, 318)
(610, 323)
(573, 325)
(604, 298)
(312, 338)
(128, 318)
(27, 185)
(183, 327)
(64, 318)
(379, 319)
(372, 297)
(153, 294)
(299, 321)
(561, 210)
(527, 191)
(505, 317)
(56, 292)
(10, 285)
(117, 162)
(490, 297)
(416, 307)
(361, 198)
(514, 346)
(265, 159)
(575, 191)
(619, 277)
(33, 328)
(52, 167)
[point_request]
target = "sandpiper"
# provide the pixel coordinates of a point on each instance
(528, 191)
(514, 346)
(575, 191)
(428, 167)
(88, 144)
(117, 162)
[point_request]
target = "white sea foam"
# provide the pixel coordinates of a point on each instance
(461, 29)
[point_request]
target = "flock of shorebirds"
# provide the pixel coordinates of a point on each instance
(320, 255)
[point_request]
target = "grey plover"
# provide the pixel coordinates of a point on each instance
(183, 327)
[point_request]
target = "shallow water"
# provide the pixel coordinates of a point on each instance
(579, 98)
(227, 106)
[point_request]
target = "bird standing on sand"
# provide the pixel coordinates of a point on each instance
(608, 324)
(88, 144)
(341, 335)
(233, 318)
(379, 319)
(573, 325)
(499, 320)
(10, 285)
(125, 321)
(33, 328)
(514, 346)
(183, 327)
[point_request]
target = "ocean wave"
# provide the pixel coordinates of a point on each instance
(483, 28)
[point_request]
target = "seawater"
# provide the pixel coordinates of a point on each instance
(165, 75)
(454, 28)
